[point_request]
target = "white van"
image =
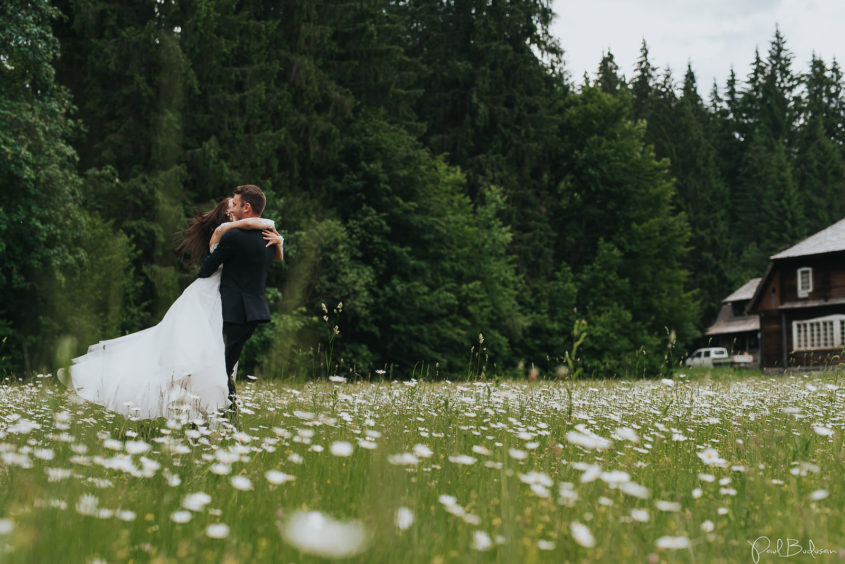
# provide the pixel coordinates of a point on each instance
(709, 356)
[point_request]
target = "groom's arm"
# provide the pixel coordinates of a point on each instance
(224, 250)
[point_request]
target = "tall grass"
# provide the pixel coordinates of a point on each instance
(487, 472)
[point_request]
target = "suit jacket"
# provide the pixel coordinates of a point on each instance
(245, 259)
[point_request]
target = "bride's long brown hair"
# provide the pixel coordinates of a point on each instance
(196, 237)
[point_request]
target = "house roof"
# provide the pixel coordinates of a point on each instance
(828, 240)
(745, 292)
(727, 322)
(751, 323)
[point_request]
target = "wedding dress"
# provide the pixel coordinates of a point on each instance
(175, 369)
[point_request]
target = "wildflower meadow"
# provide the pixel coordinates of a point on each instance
(698, 468)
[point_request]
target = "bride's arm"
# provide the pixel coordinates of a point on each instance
(273, 238)
(247, 223)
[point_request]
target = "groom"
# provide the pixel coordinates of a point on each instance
(245, 257)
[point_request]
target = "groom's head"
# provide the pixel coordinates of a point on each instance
(248, 201)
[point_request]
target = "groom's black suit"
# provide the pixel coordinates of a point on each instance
(245, 259)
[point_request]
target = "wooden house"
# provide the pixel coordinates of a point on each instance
(734, 328)
(801, 302)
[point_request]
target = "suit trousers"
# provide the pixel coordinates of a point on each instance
(235, 335)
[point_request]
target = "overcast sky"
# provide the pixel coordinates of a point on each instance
(711, 35)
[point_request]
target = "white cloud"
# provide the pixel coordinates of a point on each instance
(712, 36)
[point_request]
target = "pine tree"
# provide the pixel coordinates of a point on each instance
(642, 85)
(703, 196)
(724, 125)
(778, 111)
(820, 167)
(770, 211)
(608, 78)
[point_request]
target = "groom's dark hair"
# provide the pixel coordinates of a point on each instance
(253, 196)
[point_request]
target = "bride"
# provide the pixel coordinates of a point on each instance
(176, 368)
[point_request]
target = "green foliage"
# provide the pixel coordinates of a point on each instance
(439, 270)
(430, 164)
(494, 90)
(37, 175)
(87, 304)
(625, 242)
(63, 270)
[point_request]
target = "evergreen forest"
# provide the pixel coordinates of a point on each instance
(453, 201)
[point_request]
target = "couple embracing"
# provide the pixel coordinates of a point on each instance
(185, 365)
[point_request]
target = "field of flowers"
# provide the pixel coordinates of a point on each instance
(693, 469)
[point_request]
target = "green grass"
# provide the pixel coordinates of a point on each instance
(64, 496)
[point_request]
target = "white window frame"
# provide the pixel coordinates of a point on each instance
(826, 332)
(803, 292)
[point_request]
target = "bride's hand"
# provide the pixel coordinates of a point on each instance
(272, 237)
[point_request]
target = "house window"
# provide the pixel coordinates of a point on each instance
(805, 282)
(821, 333)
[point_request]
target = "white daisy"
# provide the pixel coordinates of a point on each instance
(217, 531)
(315, 533)
(241, 483)
(404, 518)
(581, 534)
(341, 448)
(481, 541)
(180, 516)
(277, 477)
(673, 543)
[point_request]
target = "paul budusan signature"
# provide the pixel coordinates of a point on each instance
(785, 548)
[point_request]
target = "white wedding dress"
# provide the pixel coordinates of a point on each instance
(175, 369)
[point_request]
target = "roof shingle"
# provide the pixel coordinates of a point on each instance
(828, 240)
(745, 292)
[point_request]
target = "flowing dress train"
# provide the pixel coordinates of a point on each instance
(174, 369)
